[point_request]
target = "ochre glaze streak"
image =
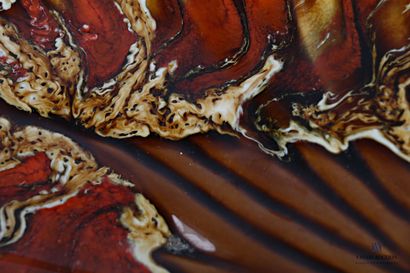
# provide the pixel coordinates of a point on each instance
(391, 25)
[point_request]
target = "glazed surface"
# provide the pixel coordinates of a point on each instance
(276, 73)
(212, 110)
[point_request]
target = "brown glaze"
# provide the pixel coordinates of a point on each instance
(270, 203)
(314, 212)
(327, 73)
(392, 172)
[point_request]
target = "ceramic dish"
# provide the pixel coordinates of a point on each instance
(204, 136)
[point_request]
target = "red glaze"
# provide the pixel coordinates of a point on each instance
(74, 236)
(21, 181)
(364, 9)
(96, 25)
(264, 18)
(339, 64)
(208, 32)
(44, 27)
(168, 18)
(212, 31)
(286, 82)
(98, 28)
(35, 22)
(344, 70)
(15, 68)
